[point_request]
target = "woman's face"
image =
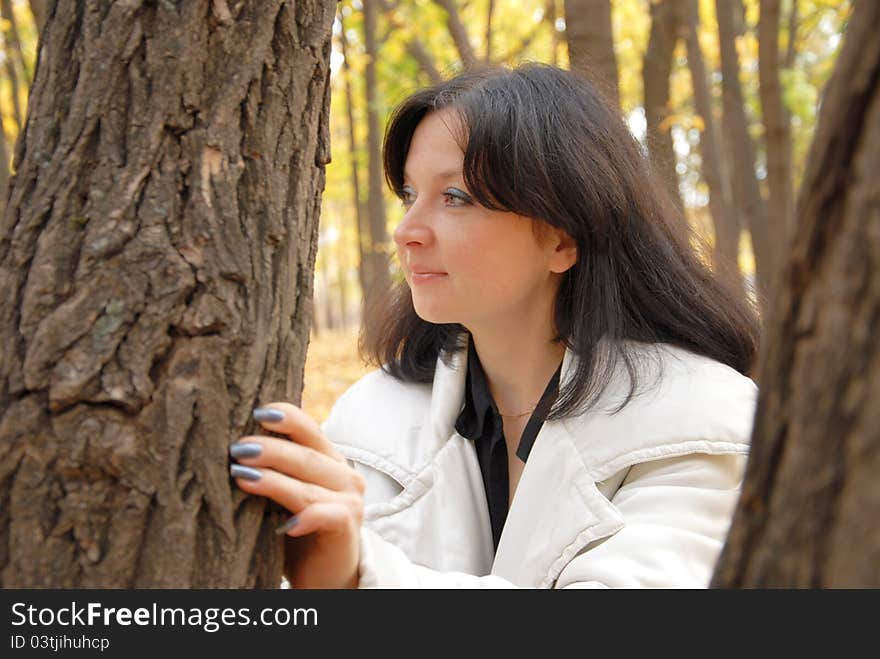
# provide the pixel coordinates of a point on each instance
(463, 262)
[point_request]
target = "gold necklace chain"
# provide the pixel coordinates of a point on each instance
(515, 416)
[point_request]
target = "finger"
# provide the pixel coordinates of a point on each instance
(300, 427)
(291, 493)
(300, 462)
(332, 518)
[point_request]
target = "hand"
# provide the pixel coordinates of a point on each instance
(308, 476)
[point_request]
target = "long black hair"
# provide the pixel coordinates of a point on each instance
(543, 142)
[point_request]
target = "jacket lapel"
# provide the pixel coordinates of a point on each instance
(556, 511)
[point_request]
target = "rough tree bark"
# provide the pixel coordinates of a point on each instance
(808, 512)
(777, 128)
(156, 262)
(747, 194)
(726, 249)
(591, 43)
(666, 23)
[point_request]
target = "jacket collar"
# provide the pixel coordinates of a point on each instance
(556, 509)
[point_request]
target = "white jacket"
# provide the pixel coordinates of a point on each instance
(640, 498)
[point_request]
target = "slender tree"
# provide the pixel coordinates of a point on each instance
(727, 230)
(360, 222)
(777, 123)
(458, 32)
(13, 40)
(377, 270)
(747, 194)
(156, 262)
(807, 516)
(666, 24)
(591, 43)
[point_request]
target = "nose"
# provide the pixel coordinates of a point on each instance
(412, 230)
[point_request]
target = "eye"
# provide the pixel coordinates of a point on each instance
(455, 197)
(407, 196)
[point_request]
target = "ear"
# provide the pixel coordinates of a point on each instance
(564, 254)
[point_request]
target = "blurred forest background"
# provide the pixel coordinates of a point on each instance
(724, 95)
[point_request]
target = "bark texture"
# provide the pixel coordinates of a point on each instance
(808, 512)
(591, 43)
(156, 259)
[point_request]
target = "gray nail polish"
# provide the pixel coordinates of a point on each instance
(289, 524)
(248, 473)
(245, 450)
(268, 414)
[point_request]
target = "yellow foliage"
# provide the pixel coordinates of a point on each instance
(332, 366)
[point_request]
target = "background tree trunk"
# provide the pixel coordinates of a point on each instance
(13, 40)
(362, 233)
(808, 512)
(458, 32)
(156, 259)
(777, 131)
(749, 202)
(591, 43)
(665, 25)
(38, 9)
(726, 250)
(378, 278)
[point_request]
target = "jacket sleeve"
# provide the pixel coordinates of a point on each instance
(676, 513)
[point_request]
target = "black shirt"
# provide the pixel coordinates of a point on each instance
(480, 421)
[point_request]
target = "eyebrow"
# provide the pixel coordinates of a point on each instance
(442, 175)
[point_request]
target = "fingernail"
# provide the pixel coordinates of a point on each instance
(245, 450)
(268, 414)
(289, 524)
(248, 473)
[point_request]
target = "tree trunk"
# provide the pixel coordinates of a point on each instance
(591, 43)
(4, 166)
(361, 231)
(746, 191)
(157, 257)
(12, 74)
(490, 8)
(665, 25)
(13, 39)
(550, 16)
(808, 512)
(378, 278)
(458, 32)
(414, 45)
(726, 250)
(38, 9)
(777, 128)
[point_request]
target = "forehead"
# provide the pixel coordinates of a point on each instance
(434, 150)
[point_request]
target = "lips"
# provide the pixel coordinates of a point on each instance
(424, 270)
(422, 275)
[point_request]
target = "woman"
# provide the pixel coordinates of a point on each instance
(563, 399)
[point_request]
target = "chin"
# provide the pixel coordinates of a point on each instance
(436, 316)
